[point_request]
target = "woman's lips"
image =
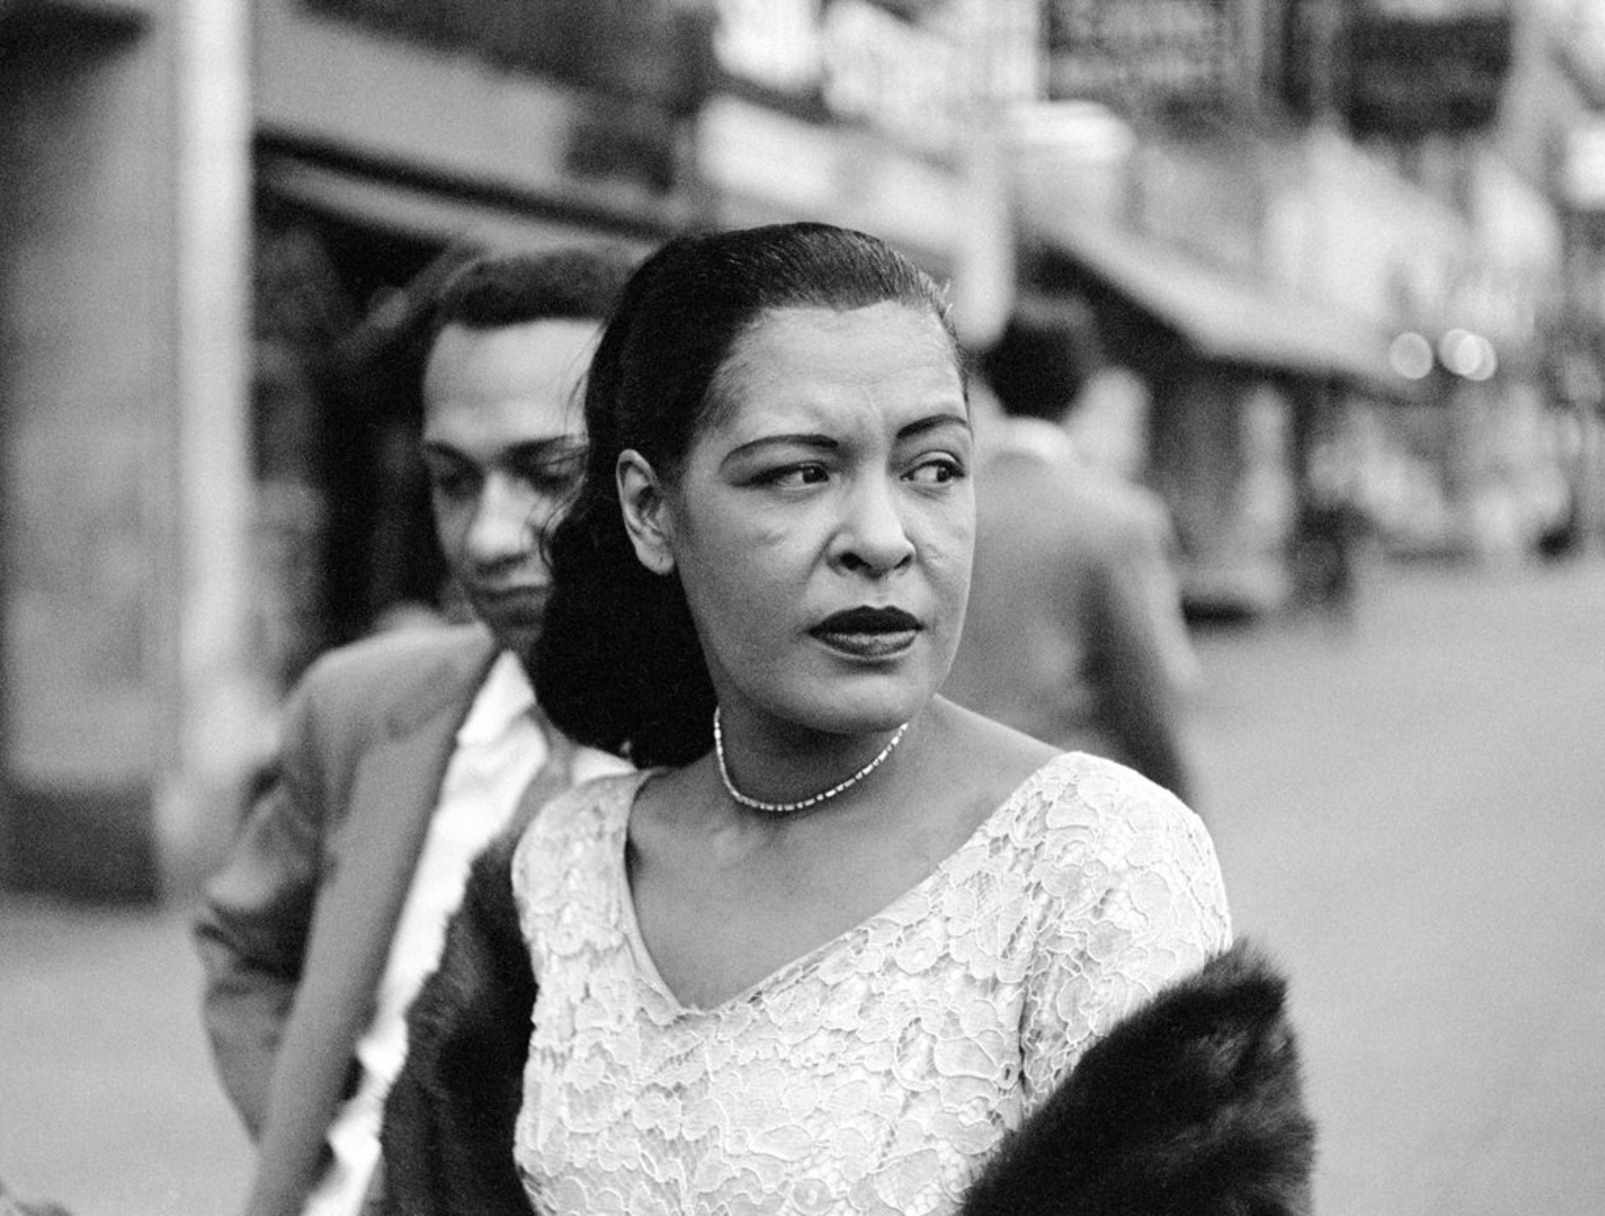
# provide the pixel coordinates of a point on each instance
(870, 645)
(869, 633)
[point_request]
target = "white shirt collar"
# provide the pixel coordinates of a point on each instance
(505, 696)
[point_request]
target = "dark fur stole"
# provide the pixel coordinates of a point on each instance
(1192, 1105)
(447, 1136)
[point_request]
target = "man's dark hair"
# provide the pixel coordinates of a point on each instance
(467, 285)
(492, 290)
(1047, 351)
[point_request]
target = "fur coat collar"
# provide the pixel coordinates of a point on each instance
(1192, 1106)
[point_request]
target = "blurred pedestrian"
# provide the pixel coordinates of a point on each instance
(1329, 536)
(1075, 633)
(12, 1205)
(841, 946)
(404, 754)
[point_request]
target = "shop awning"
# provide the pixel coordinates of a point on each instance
(28, 24)
(417, 210)
(1221, 317)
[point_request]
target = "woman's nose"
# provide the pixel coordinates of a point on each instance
(872, 536)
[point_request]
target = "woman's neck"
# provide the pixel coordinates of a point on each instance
(804, 772)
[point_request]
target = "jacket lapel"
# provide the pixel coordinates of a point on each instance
(393, 796)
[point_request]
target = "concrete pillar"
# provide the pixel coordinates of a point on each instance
(126, 710)
(1000, 38)
(217, 699)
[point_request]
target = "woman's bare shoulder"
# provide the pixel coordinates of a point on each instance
(986, 758)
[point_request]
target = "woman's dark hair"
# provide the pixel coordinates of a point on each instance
(618, 665)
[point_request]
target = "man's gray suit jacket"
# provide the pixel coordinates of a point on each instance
(295, 930)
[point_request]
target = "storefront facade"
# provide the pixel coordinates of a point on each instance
(127, 694)
(1156, 189)
(1278, 209)
(387, 142)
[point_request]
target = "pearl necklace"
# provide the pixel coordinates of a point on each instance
(788, 808)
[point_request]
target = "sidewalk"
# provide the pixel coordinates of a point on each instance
(107, 1100)
(1411, 815)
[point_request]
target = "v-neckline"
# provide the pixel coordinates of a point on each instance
(646, 966)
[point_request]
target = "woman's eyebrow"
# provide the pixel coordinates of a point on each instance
(812, 439)
(933, 422)
(807, 439)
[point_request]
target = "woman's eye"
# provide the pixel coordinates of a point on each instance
(794, 476)
(936, 472)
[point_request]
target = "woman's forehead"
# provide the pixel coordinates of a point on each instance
(827, 320)
(800, 359)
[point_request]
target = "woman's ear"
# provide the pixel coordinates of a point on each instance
(645, 511)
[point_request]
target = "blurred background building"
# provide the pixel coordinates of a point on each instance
(1353, 251)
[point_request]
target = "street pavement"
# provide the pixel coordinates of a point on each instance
(1410, 813)
(1411, 816)
(107, 1102)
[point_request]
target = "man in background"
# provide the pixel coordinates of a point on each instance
(403, 755)
(1074, 632)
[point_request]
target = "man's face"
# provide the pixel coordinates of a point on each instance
(503, 441)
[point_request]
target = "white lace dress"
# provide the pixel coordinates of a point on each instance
(877, 1072)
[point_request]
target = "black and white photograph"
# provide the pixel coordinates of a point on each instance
(802, 607)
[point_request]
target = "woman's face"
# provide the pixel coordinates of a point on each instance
(823, 522)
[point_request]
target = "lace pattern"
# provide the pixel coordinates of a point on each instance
(877, 1072)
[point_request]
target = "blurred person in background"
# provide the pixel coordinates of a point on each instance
(839, 945)
(12, 1205)
(402, 755)
(1075, 633)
